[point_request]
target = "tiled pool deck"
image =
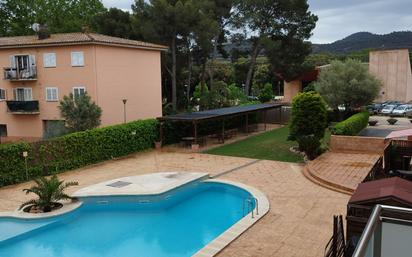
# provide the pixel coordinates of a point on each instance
(299, 222)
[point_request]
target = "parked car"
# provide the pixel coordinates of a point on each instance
(374, 108)
(401, 110)
(388, 109)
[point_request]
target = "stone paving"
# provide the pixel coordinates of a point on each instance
(299, 222)
(341, 171)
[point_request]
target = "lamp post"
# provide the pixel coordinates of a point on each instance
(25, 155)
(124, 110)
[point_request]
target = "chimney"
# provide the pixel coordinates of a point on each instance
(43, 32)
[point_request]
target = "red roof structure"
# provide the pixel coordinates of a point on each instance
(382, 190)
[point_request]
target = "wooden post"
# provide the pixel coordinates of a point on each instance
(247, 124)
(223, 131)
(264, 119)
(280, 115)
(195, 131)
(334, 237)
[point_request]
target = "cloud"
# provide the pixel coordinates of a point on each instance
(340, 18)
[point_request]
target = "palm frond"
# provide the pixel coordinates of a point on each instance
(30, 202)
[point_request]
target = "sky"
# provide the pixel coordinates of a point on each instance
(340, 18)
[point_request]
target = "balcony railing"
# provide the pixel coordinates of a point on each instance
(23, 107)
(395, 223)
(15, 74)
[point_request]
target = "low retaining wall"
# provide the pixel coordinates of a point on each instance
(357, 144)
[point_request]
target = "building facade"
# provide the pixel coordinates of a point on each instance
(38, 73)
(393, 68)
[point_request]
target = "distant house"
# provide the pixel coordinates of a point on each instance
(392, 67)
(39, 72)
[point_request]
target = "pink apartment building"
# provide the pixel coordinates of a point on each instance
(39, 72)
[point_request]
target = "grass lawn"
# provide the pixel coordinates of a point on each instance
(272, 145)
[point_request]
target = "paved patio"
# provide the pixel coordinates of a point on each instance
(299, 222)
(340, 171)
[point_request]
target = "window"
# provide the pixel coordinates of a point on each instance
(49, 60)
(3, 130)
(77, 59)
(23, 94)
(78, 91)
(52, 94)
(2, 94)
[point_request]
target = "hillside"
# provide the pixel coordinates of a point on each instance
(366, 40)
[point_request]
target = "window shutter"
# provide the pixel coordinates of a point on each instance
(32, 60)
(27, 94)
(12, 61)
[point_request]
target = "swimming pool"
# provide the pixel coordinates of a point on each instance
(177, 223)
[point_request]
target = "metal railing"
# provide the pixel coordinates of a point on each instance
(23, 106)
(29, 73)
(373, 229)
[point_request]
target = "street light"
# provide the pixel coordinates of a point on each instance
(25, 155)
(124, 110)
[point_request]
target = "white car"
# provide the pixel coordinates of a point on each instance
(401, 110)
(388, 109)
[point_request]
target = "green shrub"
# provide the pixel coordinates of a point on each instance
(352, 126)
(75, 150)
(266, 94)
(310, 145)
(308, 122)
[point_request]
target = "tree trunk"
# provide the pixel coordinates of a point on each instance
(212, 63)
(174, 97)
(255, 53)
(189, 79)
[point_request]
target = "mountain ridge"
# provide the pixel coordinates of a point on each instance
(367, 40)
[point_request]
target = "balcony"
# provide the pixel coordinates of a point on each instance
(387, 233)
(23, 107)
(16, 74)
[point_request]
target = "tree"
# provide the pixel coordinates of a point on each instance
(114, 22)
(49, 192)
(347, 83)
(308, 122)
(278, 26)
(17, 16)
(165, 22)
(79, 112)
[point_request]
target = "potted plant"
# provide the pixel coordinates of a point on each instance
(50, 192)
(392, 121)
(372, 122)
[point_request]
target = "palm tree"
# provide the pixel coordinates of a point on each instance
(49, 192)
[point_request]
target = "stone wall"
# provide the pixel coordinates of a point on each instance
(357, 144)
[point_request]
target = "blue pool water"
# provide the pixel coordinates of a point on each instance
(178, 223)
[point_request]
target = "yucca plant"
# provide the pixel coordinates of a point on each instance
(49, 192)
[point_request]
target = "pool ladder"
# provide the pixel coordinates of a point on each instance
(248, 206)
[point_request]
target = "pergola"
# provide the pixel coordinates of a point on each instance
(218, 114)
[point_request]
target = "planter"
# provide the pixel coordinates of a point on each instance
(35, 209)
(158, 145)
(392, 121)
(372, 122)
(410, 120)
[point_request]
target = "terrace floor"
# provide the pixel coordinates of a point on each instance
(299, 222)
(340, 171)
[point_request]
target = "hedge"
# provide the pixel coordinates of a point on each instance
(75, 150)
(351, 126)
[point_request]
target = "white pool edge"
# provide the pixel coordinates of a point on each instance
(211, 249)
(237, 229)
(20, 214)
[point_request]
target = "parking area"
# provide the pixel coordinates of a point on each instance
(383, 128)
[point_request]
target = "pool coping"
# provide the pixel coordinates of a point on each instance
(212, 248)
(237, 229)
(20, 214)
